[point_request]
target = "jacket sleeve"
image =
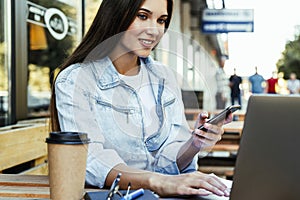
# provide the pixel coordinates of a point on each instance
(75, 113)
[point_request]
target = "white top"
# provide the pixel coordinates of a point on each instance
(140, 83)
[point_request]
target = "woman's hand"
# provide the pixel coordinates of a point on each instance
(195, 183)
(206, 140)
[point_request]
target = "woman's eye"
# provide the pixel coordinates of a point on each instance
(142, 16)
(162, 21)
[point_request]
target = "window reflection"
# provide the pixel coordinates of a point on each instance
(4, 64)
(54, 29)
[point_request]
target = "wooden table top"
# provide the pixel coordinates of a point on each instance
(18, 187)
(15, 186)
(234, 127)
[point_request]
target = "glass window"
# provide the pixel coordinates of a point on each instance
(54, 30)
(91, 8)
(5, 61)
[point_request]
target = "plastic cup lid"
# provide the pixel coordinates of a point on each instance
(67, 138)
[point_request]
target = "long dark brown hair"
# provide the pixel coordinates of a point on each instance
(112, 18)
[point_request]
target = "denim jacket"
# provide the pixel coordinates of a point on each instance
(91, 98)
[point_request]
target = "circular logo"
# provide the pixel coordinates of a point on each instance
(57, 23)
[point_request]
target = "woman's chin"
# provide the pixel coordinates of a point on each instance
(143, 53)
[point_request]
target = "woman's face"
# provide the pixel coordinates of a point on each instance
(147, 29)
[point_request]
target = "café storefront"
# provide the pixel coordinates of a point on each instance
(35, 37)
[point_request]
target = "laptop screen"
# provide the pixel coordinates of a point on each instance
(268, 160)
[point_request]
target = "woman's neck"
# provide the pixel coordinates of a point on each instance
(126, 64)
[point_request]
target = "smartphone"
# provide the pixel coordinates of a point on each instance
(221, 116)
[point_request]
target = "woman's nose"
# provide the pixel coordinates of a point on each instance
(154, 29)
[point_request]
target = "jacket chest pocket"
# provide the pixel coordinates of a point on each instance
(121, 118)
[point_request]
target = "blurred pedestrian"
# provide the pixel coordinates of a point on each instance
(222, 93)
(257, 83)
(234, 84)
(272, 83)
(293, 84)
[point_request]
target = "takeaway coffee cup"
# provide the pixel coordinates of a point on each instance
(67, 155)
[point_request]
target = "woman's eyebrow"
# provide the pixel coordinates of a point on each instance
(148, 11)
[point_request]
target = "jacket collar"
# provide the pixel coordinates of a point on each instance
(107, 76)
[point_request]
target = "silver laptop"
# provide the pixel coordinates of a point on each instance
(268, 160)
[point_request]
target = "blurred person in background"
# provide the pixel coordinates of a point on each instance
(272, 84)
(234, 83)
(222, 93)
(293, 84)
(257, 83)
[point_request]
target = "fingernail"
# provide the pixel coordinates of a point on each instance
(221, 193)
(227, 192)
(204, 114)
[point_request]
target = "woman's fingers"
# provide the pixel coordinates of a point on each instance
(228, 119)
(213, 132)
(205, 184)
(201, 119)
(195, 183)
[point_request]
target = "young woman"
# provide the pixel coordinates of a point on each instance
(130, 105)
